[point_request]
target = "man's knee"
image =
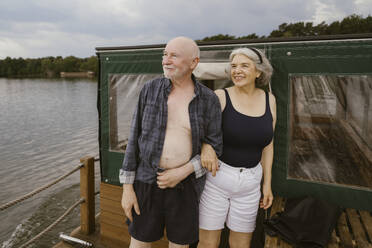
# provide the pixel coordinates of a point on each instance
(134, 243)
(173, 245)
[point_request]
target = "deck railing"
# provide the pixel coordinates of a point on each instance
(86, 201)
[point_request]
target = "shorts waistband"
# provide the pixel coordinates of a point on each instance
(236, 169)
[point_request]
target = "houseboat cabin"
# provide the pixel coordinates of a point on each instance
(323, 136)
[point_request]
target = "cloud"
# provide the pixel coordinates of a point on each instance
(38, 28)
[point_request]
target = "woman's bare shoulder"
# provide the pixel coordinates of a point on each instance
(221, 96)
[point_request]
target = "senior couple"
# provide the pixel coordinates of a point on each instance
(195, 158)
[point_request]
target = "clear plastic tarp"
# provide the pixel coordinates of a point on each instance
(331, 129)
(124, 92)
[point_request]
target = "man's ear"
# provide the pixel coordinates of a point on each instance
(194, 63)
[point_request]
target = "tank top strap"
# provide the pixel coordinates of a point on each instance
(228, 100)
(268, 110)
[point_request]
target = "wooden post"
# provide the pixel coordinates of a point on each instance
(87, 208)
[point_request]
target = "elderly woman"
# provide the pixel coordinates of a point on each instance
(248, 121)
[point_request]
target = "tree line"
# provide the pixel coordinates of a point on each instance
(353, 24)
(46, 67)
(52, 66)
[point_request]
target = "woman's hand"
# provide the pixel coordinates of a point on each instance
(209, 158)
(268, 197)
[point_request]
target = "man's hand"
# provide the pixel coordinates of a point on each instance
(209, 158)
(129, 200)
(268, 197)
(171, 177)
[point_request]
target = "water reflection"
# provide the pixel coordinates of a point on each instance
(45, 127)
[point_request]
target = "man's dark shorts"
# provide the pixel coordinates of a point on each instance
(176, 209)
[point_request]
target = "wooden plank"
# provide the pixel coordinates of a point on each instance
(367, 222)
(284, 244)
(333, 242)
(111, 206)
(107, 242)
(87, 210)
(276, 207)
(114, 234)
(357, 229)
(111, 192)
(114, 219)
(63, 244)
(271, 241)
(345, 236)
(280, 207)
(119, 237)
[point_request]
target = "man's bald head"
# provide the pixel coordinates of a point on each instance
(180, 57)
(188, 45)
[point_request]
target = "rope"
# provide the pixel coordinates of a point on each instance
(22, 198)
(53, 224)
(56, 222)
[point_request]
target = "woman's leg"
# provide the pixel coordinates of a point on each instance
(240, 240)
(209, 238)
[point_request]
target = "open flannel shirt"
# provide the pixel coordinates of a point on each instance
(147, 133)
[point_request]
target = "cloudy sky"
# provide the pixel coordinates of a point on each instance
(39, 28)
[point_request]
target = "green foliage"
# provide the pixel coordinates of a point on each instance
(90, 64)
(46, 67)
(218, 37)
(52, 66)
(353, 24)
(229, 37)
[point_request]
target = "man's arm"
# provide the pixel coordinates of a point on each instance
(212, 144)
(130, 162)
(213, 134)
(128, 171)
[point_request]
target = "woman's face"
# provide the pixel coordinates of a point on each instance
(243, 71)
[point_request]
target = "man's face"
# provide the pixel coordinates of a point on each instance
(176, 61)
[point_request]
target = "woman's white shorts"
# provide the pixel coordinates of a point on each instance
(232, 196)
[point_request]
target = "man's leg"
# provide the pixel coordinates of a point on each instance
(173, 245)
(181, 212)
(149, 225)
(134, 243)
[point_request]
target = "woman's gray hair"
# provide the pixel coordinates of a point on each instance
(262, 64)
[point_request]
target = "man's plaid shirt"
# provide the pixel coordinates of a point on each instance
(147, 134)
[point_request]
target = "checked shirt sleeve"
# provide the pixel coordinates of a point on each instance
(127, 172)
(198, 168)
(213, 134)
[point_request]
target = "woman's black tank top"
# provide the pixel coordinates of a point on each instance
(244, 137)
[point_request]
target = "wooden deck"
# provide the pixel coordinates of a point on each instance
(111, 229)
(113, 226)
(354, 229)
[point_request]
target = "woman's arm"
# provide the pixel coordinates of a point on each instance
(267, 162)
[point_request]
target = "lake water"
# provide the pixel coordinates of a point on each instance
(46, 126)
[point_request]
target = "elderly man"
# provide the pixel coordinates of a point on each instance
(162, 180)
